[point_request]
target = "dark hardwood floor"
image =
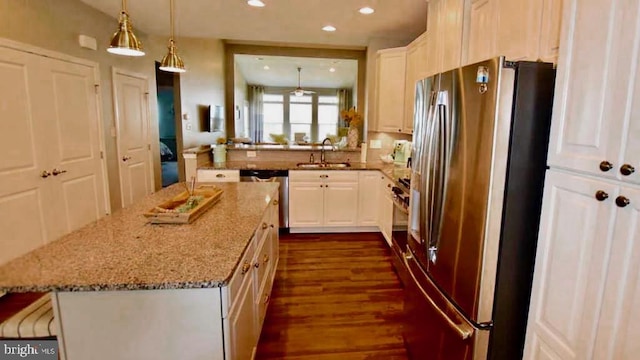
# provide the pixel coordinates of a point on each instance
(335, 296)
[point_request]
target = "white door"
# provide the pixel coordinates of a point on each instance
(368, 198)
(341, 204)
(571, 262)
(74, 132)
(305, 204)
(132, 118)
(24, 194)
(619, 325)
(596, 73)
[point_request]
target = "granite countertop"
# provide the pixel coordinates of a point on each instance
(267, 147)
(123, 251)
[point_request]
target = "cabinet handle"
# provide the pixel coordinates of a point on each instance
(45, 174)
(326, 186)
(125, 158)
(272, 226)
(622, 201)
(265, 258)
(388, 185)
(275, 202)
(627, 169)
(321, 185)
(57, 172)
(257, 265)
(221, 175)
(399, 130)
(264, 226)
(324, 176)
(245, 267)
(605, 166)
(601, 195)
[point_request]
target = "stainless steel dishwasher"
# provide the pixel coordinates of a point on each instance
(280, 176)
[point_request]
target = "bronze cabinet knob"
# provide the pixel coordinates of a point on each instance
(627, 169)
(45, 174)
(601, 195)
(605, 166)
(622, 201)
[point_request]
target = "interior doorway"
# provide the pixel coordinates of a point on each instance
(170, 129)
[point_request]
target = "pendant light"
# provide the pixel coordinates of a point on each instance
(124, 41)
(172, 62)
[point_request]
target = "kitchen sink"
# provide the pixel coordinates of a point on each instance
(323, 165)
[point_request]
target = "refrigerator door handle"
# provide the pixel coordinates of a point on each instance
(462, 328)
(425, 208)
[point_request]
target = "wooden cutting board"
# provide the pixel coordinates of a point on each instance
(166, 212)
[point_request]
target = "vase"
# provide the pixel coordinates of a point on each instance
(352, 138)
(220, 154)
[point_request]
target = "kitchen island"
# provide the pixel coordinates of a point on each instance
(123, 288)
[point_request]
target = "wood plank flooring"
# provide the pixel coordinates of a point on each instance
(335, 296)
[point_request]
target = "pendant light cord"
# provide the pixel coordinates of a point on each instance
(124, 6)
(171, 13)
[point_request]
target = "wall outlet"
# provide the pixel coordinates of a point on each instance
(375, 144)
(189, 126)
(251, 154)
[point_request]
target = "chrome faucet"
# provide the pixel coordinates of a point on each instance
(322, 156)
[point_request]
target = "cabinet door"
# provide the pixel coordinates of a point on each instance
(518, 29)
(481, 31)
(434, 45)
(550, 30)
(386, 209)
(573, 245)
(305, 204)
(391, 86)
(242, 325)
(619, 325)
(409, 94)
(341, 204)
(631, 129)
(596, 72)
(368, 198)
(451, 18)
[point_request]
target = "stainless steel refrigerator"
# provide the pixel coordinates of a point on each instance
(481, 134)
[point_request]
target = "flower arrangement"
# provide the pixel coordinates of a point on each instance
(351, 117)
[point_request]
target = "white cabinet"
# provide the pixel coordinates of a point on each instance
(242, 323)
(586, 283)
(518, 30)
(416, 69)
(596, 113)
(323, 198)
(217, 175)
(390, 89)
(368, 199)
(444, 33)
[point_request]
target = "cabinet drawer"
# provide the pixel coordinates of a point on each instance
(262, 302)
(212, 175)
(242, 273)
(323, 175)
(262, 259)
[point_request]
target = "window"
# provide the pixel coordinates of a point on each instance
(273, 115)
(313, 117)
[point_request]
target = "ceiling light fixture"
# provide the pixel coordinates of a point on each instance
(366, 10)
(266, 67)
(172, 61)
(124, 41)
(329, 28)
(332, 69)
(255, 3)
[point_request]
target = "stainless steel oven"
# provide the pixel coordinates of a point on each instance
(400, 229)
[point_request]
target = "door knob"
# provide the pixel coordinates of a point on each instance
(605, 166)
(601, 195)
(45, 174)
(57, 172)
(627, 169)
(622, 201)
(125, 158)
(275, 202)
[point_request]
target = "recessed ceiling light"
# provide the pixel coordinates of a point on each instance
(329, 28)
(332, 69)
(256, 3)
(366, 10)
(266, 67)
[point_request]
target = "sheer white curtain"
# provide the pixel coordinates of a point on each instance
(256, 112)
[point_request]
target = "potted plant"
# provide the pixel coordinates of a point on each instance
(352, 120)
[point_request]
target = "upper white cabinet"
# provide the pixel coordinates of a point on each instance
(518, 30)
(596, 112)
(444, 34)
(416, 69)
(390, 89)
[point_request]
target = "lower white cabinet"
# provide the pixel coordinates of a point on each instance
(215, 175)
(368, 200)
(323, 198)
(242, 325)
(585, 301)
(385, 208)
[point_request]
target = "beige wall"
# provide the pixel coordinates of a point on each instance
(240, 95)
(56, 24)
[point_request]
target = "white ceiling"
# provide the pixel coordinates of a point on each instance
(289, 21)
(283, 71)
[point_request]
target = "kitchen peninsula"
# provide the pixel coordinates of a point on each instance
(123, 288)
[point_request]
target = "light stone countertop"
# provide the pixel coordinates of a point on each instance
(123, 251)
(267, 147)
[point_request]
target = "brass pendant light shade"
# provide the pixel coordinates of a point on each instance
(172, 61)
(124, 41)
